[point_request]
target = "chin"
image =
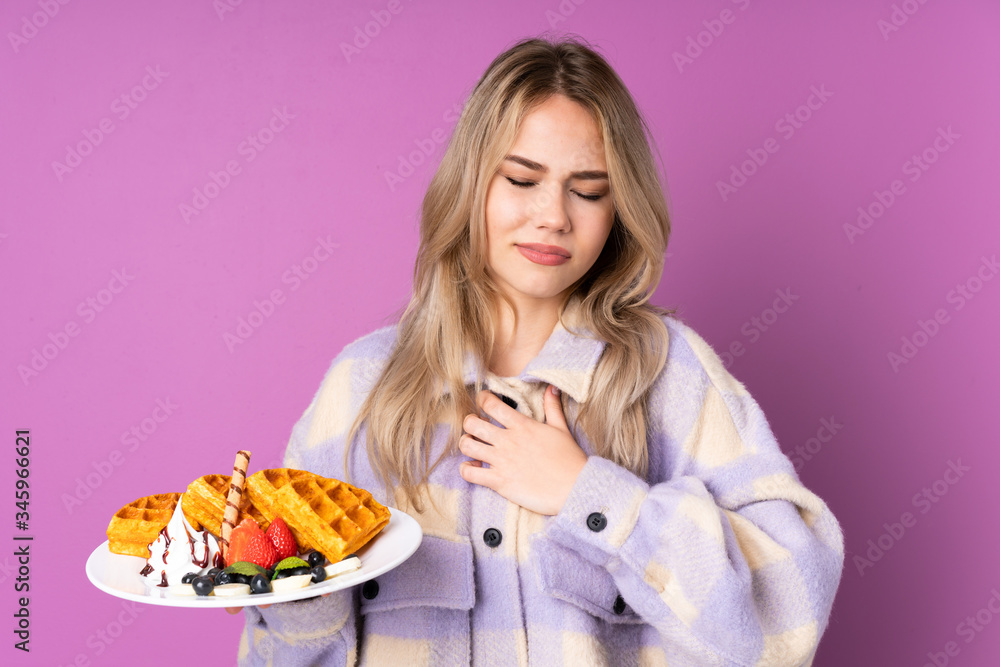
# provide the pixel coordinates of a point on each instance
(541, 293)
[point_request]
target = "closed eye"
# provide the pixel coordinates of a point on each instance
(520, 184)
(528, 184)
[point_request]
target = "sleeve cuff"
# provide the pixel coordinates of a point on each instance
(600, 512)
(311, 618)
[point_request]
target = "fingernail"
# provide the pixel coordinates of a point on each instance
(555, 390)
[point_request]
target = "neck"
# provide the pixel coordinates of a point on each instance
(516, 345)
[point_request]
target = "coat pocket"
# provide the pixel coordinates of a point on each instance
(438, 574)
(568, 577)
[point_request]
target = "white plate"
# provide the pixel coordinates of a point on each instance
(119, 575)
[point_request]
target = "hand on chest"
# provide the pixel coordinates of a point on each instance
(530, 462)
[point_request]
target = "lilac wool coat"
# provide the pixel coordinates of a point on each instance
(719, 557)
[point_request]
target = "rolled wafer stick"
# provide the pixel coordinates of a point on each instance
(232, 510)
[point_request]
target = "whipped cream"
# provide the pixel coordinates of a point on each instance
(180, 549)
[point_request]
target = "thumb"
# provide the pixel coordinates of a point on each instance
(553, 408)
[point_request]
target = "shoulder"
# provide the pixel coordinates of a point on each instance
(702, 409)
(704, 401)
(371, 349)
(356, 368)
(341, 393)
(372, 346)
(690, 354)
(694, 385)
(361, 361)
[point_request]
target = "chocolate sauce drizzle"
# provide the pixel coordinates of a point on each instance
(166, 543)
(202, 563)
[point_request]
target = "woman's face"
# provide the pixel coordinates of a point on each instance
(549, 208)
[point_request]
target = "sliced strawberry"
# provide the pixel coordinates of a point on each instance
(259, 550)
(281, 538)
(239, 538)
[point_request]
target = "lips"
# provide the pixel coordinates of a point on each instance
(546, 255)
(546, 249)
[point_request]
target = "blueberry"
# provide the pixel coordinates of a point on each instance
(236, 578)
(318, 574)
(292, 572)
(222, 578)
(189, 577)
(260, 584)
(287, 572)
(214, 571)
(315, 558)
(203, 585)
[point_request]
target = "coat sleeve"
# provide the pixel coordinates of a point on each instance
(729, 557)
(319, 630)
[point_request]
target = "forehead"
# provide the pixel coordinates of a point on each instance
(561, 134)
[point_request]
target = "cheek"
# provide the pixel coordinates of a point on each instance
(501, 221)
(502, 213)
(494, 237)
(497, 213)
(596, 237)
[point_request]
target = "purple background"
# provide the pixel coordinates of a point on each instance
(163, 336)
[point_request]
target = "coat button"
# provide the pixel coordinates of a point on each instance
(370, 589)
(492, 537)
(619, 605)
(507, 399)
(596, 522)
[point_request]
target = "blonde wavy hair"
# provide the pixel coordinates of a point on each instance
(454, 306)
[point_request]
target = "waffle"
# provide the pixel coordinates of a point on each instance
(205, 501)
(328, 515)
(136, 525)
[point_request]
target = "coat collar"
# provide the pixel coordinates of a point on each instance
(567, 360)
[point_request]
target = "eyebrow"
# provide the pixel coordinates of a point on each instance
(588, 175)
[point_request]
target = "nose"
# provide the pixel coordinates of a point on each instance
(548, 210)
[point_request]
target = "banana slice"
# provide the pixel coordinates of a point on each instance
(347, 565)
(182, 590)
(230, 590)
(289, 583)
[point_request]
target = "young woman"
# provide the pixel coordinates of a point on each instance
(593, 486)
